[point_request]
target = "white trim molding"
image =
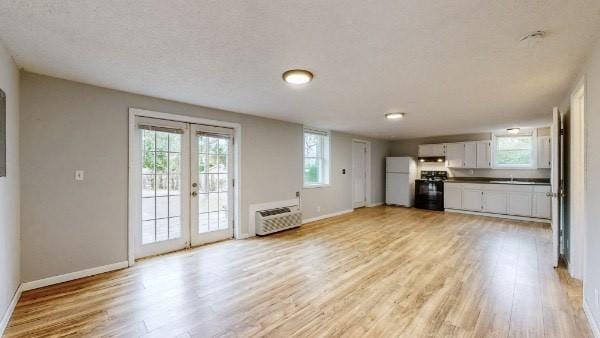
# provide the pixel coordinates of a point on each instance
(40, 283)
(333, 214)
(591, 319)
(577, 180)
(372, 205)
(487, 214)
(10, 309)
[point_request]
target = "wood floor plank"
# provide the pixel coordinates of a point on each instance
(377, 272)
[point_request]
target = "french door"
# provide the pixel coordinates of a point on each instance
(184, 177)
(212, 193)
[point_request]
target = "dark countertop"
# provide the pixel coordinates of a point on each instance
(488, 180)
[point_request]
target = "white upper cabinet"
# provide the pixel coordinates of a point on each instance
(455, 155)
(484, 154)
(432, 150)
(544, 152)
(470, 155)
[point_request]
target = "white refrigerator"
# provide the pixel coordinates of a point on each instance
(400, 175)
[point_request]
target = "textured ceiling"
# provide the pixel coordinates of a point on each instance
(453, 66)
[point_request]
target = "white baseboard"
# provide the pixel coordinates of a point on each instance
(318, 218)
(518, 218)
(591, 319)
(374, 205)
(10, 309)
(73, 275)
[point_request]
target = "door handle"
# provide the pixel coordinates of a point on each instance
(551, 194)
(194, 193)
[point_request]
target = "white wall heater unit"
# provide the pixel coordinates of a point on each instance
(278, 219)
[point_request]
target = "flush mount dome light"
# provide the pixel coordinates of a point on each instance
(394, 116)
(297, 76)
(513, 130)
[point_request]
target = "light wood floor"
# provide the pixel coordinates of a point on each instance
(376, 272)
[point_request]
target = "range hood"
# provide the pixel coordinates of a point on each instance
(432, 159)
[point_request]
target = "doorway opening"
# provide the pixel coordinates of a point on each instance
(361, 172)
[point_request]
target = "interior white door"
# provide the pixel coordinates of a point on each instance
(556, 189)
(359, 174)
(211, 184)
(160, 207)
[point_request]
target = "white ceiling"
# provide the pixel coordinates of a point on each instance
(453, 66)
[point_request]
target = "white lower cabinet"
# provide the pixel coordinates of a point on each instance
(453, 195)
(542, 202)
(502, 199)
(520, 203)
(471, 200)
(495, 201)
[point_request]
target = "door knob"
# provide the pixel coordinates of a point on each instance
(194, 193)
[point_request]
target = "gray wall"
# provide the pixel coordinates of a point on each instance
(69, 226)
(410, 147)
(591, 275)
(338, 196)
(10, 275)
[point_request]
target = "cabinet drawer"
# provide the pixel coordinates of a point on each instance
(520, 188)
(542, 188)
(474, 186)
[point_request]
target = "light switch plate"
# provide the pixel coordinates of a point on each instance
(79, 175)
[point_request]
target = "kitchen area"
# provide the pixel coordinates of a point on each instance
(502, 174)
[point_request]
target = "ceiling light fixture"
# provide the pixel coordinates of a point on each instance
(297, 76)
(394, 116)
(513, 130)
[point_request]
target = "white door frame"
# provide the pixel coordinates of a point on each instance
(237, 148)
(577, 173)
(368, 171)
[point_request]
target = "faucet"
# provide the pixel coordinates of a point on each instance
(512, 178)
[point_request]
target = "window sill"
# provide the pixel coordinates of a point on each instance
(315, 186)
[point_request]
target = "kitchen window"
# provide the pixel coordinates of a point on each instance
(316, 158)
(515, 151)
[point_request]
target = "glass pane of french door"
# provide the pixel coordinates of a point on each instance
(161, 182)
(213, 178)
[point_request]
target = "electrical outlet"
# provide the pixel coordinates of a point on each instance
(79, 175)
(318, 208)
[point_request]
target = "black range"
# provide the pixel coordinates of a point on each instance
(429, 190)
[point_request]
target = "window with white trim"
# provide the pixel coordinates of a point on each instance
(316, 158)
(515, 151)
